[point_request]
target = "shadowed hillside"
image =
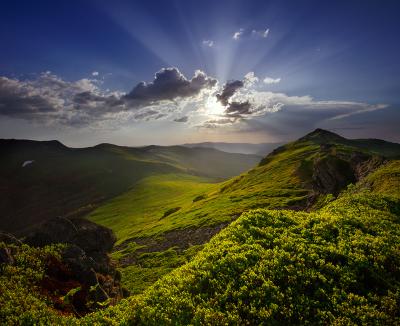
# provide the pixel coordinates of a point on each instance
(40, 180)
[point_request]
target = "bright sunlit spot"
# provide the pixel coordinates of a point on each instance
(214, 107)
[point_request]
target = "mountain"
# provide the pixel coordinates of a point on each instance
(261, 149)
(308, 236)
(168, 215)
(40, 180)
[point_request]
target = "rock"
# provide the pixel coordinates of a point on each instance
(6, 256)
(85, 260)
(333, 173)
(87, 235)
(82, 266)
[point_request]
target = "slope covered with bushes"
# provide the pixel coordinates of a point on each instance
(338, 265)
(160, 215)
(306, 250)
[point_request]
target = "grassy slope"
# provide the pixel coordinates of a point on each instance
(272, 185)
(281, 181)
(64, 182)
(139, 212)
(338, 265)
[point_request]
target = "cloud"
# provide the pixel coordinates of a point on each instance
(237, 104)
(217, 123)
(269, 80)
(238, 108)
(182, 119)
(229, 90)
(21, 100)
(51, 100)
(243, 102)
(250, 79)
(208, 43)
(95, 73)
(260, 33)
(169, 84)
(238, 34)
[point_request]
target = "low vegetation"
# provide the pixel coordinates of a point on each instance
(294, 249)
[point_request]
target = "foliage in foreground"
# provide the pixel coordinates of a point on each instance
(340, 265)
(20, 298)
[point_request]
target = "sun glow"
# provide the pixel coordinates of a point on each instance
(213, 106)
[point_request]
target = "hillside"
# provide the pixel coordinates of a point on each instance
(40, 180)
(336, 265)
(301, 175)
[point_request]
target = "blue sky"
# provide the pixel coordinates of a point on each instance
(331, 64)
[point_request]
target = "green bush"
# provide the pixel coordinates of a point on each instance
(338, 266)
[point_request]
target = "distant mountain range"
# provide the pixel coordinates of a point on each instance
(260, 149)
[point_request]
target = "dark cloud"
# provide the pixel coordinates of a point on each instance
(234, 108)
(170, 84)
(50, 99)
(182, 119)
(238, 108)
(229, 90)
(18, 101)
(97, 104)
(86, 97)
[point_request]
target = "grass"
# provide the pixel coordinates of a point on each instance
(336, 265)
(140, 211)
(163, 203)
(68, 182)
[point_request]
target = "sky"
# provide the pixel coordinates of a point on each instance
(171, 72)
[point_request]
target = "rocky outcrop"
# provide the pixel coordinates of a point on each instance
(334, 172)
(331, 175)
(84, 262)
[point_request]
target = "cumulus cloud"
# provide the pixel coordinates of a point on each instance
(250, 79)
(238, 34)
(95, 73)
(50, 99)
(238, 108)
(208, 43)
(169, 84)
(229, 90)
(171, 96)
(244, 101)
(270, 80)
